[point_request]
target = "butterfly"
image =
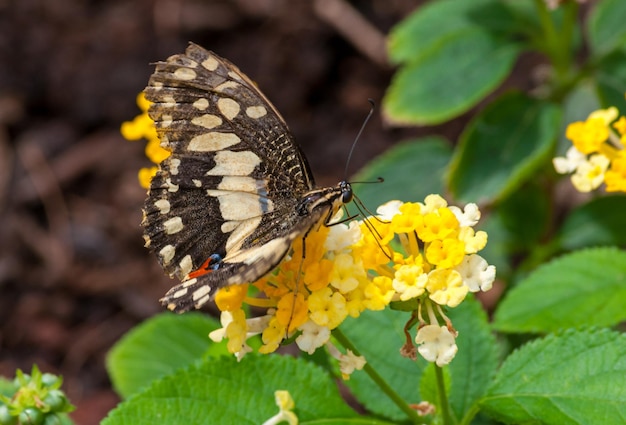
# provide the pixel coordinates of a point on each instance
(225, 207)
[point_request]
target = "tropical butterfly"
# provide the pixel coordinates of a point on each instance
(236, 191)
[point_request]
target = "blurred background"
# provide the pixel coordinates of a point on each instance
(74, 276)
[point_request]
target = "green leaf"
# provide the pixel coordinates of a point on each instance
(606, 26)
(7, 388)
(599, 222)
(378, 335)
(430, 25)
(158, 347)
(526, 215)
(412, 170)
(474, 365)
(471, 370)
(611, 79)
(223, 391)
(502, 147)
(574, 378)
(444, 82)
(500, 240)
(584, 288)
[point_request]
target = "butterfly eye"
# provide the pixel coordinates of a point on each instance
(346, 193)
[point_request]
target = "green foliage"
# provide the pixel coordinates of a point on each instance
(585, 287)
(33, 399)
(229, 392)
(572, 378)
(160, 346)
(560, 264)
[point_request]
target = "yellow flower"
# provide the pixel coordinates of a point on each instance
(142, 127)
(615, 177)
(445, 253)
(590, 174)
(285, 405)
(231, 298)
(597, 152)
(328, 308)
(587, 136)
(446, 287)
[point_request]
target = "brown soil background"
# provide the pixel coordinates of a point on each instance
(74, 276)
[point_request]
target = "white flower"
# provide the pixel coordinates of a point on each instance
(312, 337)
(568, 164)
(476, 273)
(348, 362)
(255, 326)
(389, 209)
(436, 344)
(341, 236)
(468, 217)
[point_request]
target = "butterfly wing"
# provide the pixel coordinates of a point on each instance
(223, 208)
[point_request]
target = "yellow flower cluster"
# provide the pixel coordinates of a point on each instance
(409, 251)
(142, 127)
(439, 246)
(597, 155)
(310, 294)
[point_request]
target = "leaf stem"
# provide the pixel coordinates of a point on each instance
(382, 384)
(446, 414)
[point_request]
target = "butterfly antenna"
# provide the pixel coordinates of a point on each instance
(356, 139)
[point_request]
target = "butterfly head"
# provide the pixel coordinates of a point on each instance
(328, 199)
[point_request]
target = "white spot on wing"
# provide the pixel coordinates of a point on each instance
(180, 293)
(186, 265)
(213, 141)
(171, 187)
(228, 107)
(174, 163)
(229, 226)
(237, 205)
(226, 85)
(201, 292)
(228, 163)
(207, 121)
(197, 183)
(168, 101)
(210, 63)
(167, 253)
(201, 104)
(256, 111)
(241, 184)
(202, 301)
(173, 225)
(185, 74)
(163, 205)
(189, 282)
(166, 120)
(241, 232)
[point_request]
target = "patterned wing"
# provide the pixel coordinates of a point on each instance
(223, 208)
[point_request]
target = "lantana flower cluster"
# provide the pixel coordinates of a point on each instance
(410, 252)
(597, 154)
(142, 127)
(420, 255)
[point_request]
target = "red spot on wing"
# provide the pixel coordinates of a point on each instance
(205, 268)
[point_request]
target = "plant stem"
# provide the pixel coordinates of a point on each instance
(446, 415)
(382, 384)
